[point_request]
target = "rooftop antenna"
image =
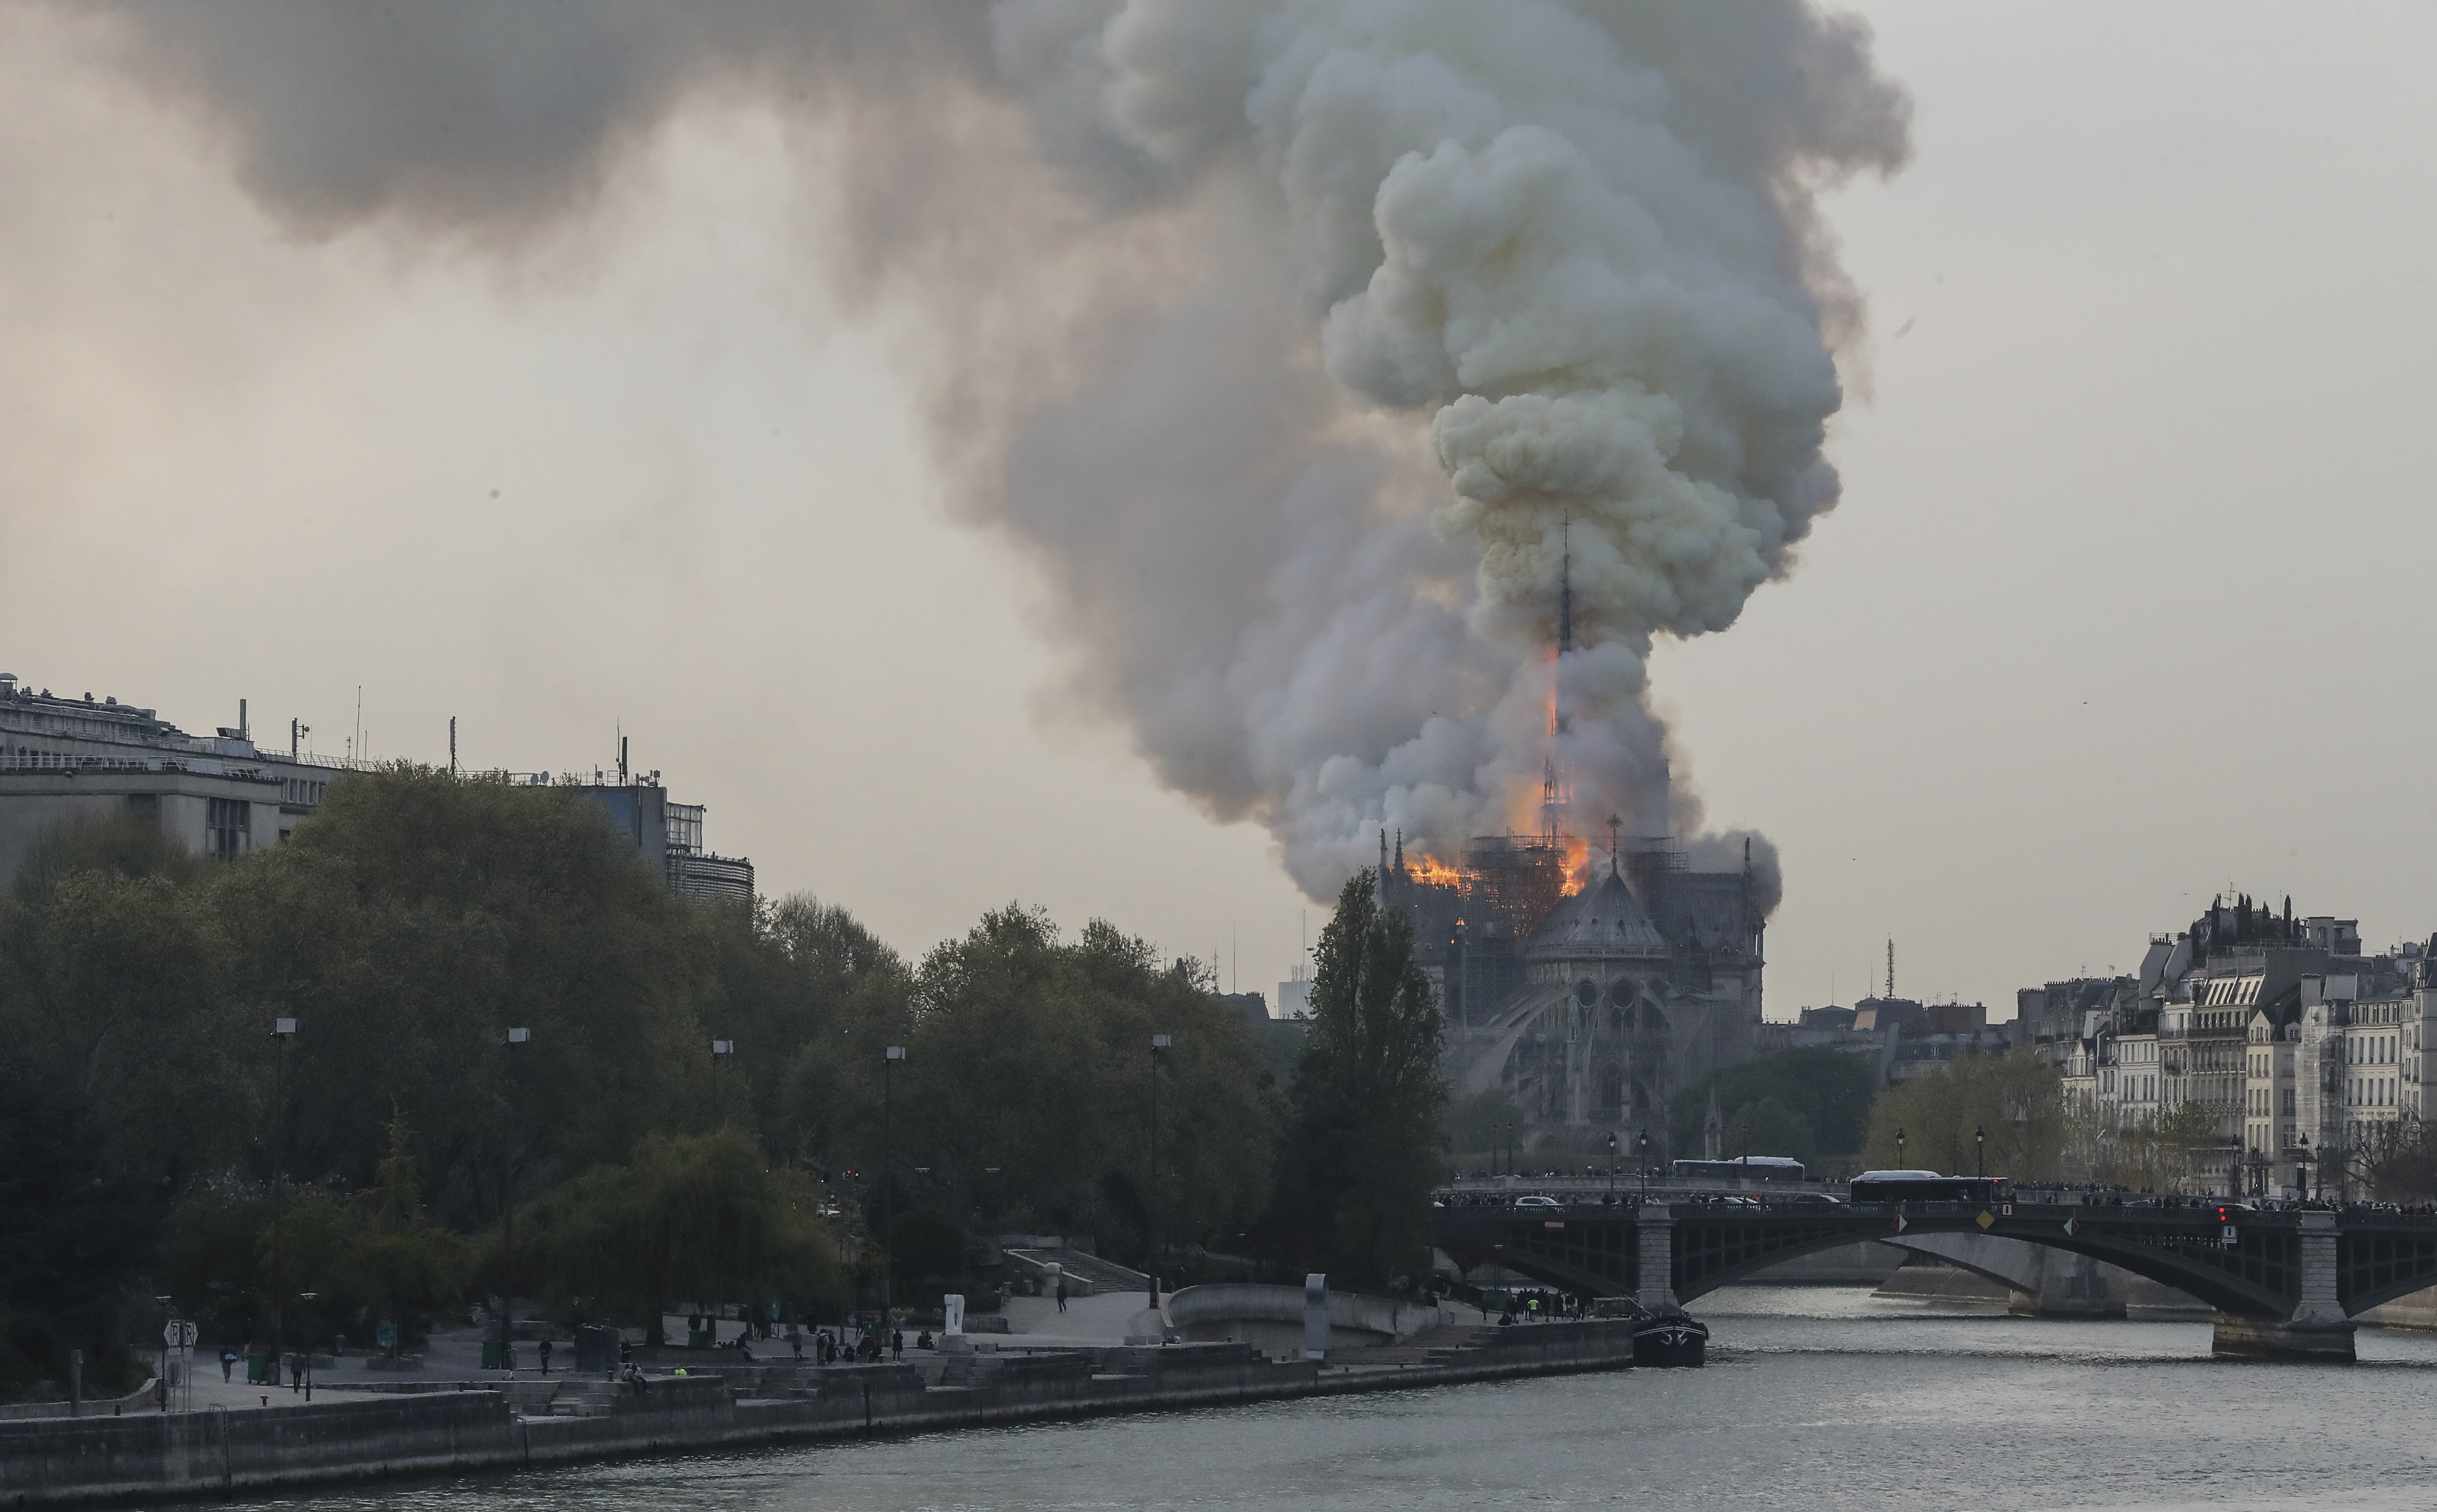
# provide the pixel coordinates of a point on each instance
(452, 745)
(1891, 967)
(621, 761)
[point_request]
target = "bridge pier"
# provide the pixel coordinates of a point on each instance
(2317, 1329)
(1655, 1225)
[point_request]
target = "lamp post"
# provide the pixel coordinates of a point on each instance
(162, 1375)
(1611, 1168)
(1645, 1165)
(282, 1031)
(1980, 1150)
(1158, 1043)
(2301, 1169)
(1900, 1148)
(720, 1050)
(887, 1269)
(307, 1332)
(508, 1211)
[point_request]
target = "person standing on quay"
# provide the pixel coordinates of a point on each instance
(1061, 1293)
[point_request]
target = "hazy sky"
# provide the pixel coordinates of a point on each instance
(2122, 605)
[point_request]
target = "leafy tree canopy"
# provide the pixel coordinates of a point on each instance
(1824, 1093)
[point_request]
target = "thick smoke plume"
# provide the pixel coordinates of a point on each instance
(1296, 341)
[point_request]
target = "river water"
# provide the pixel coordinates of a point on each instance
(1814, 1398)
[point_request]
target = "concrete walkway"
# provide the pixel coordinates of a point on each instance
(1036, 1323)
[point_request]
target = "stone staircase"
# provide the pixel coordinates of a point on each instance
(1086, 1274)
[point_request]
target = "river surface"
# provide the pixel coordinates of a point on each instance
(1814, 1398)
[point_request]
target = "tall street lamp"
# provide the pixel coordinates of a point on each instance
(1611, 1168)
(1980, 1149)
(307, 1332)
(1158, 1043)
(508, 1210)
(887, 1276)
(282, 1031)
(1645, 1165)
(720, 1050)
(1900, 1162)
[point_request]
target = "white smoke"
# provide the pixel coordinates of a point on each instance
(1500, 223)
(1287, 254)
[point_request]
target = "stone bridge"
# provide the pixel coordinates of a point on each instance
(2283, 1285)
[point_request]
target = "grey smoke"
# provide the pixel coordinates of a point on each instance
(1291, 339)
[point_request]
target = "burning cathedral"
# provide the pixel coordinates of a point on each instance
(1589, 984)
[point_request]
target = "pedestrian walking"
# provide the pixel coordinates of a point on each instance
(1061, 1293)
(228, 1363)
(896, 1344)
(545, 1357)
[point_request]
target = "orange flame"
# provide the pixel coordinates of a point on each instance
(1431, 871)
(1578, 863)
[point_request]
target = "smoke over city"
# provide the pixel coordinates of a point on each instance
(1296, 342)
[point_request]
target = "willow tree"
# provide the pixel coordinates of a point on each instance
(2007, 1113)
(697, 1218)
(1366, 1144)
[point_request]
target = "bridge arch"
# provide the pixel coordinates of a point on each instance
(1597, 1249)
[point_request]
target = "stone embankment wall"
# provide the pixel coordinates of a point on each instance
(1270, 1318)
(62, 1462)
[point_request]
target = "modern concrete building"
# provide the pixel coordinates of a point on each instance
(218, 794)
(222, 795)
(668, 837)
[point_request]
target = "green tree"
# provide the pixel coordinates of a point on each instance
(1026, 1097)
(76, 1232)
(414, 918)
(2016, 1101)
(112, 987)
(1476, 1126)
(1827, 1091)
(808, 995)
(1768, 1127)
(702, 1218)
(391, 1260)
(1364, 1145)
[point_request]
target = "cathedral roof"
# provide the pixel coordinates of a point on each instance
(1603, 917)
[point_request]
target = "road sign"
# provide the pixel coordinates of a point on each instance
(1987, 1219)
(2072, 1226)
(178, 1334)
(1900, 1226)
(2229, 1236)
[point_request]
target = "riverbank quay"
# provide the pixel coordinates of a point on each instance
(159, 1457)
